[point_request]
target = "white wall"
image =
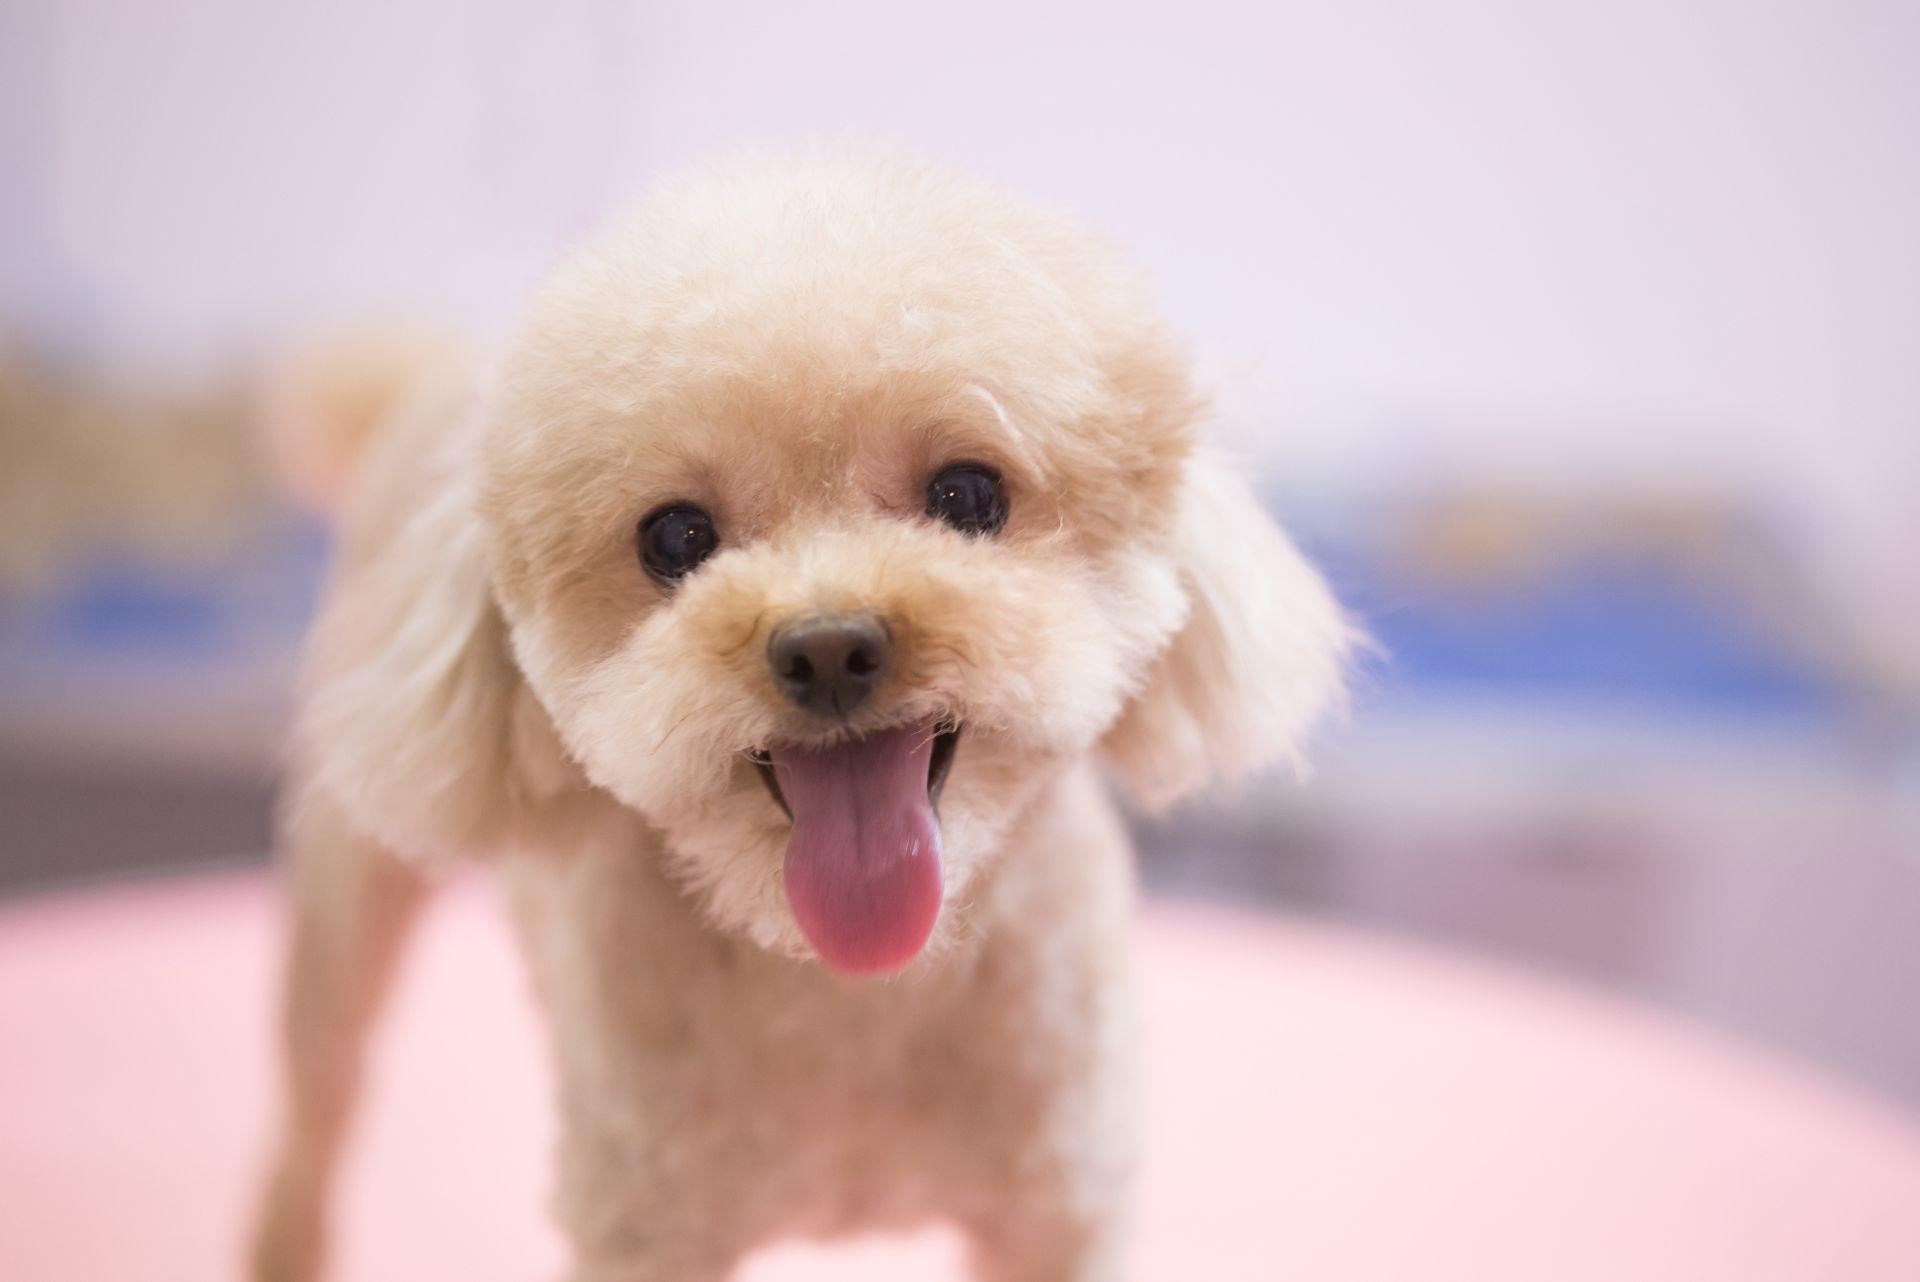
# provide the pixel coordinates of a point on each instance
(1558, 241)
(202, 168)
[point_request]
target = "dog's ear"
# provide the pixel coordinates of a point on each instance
(415, 719)
(1260, 657)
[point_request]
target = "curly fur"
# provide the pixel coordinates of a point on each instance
(796, 344)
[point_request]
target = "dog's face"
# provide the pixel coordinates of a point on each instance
(833, 508)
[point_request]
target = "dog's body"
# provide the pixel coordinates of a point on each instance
(920, 535)
(988, 1090)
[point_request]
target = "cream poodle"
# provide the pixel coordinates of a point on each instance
(765, 618)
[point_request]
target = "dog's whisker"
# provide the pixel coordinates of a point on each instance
(753, 631)
(674, 729)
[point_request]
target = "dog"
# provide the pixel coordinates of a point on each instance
(767, 616)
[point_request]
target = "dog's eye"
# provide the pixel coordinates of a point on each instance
(969, 497)
(674, 539)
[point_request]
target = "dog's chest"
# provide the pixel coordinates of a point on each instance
(660, 1019)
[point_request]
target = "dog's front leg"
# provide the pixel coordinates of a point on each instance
(649, 1230)
(659, 1207)
(1050, 1244)
(1059, 1225)
(1054, 1204)
(671, 1263)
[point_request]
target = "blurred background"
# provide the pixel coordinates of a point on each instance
(1576, 340)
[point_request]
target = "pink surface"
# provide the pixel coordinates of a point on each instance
(1322, 1106)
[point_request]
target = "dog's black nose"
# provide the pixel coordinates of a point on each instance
(829, 664)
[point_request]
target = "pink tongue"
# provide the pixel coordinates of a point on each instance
(863, 862)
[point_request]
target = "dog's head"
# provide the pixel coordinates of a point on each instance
(821, 514)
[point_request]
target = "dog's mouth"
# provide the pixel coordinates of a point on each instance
(863, 858)
(946, 738)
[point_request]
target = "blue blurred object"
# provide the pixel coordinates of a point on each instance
(259, 594)
(1589, 620)
(180, 664)
(1630, 632)
(119, 608)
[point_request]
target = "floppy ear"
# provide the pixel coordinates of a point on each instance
(415, 718)
(1260, 658)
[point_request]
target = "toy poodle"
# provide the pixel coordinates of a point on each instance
(766, 617)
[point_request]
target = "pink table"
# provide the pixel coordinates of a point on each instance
(1322, 1106)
